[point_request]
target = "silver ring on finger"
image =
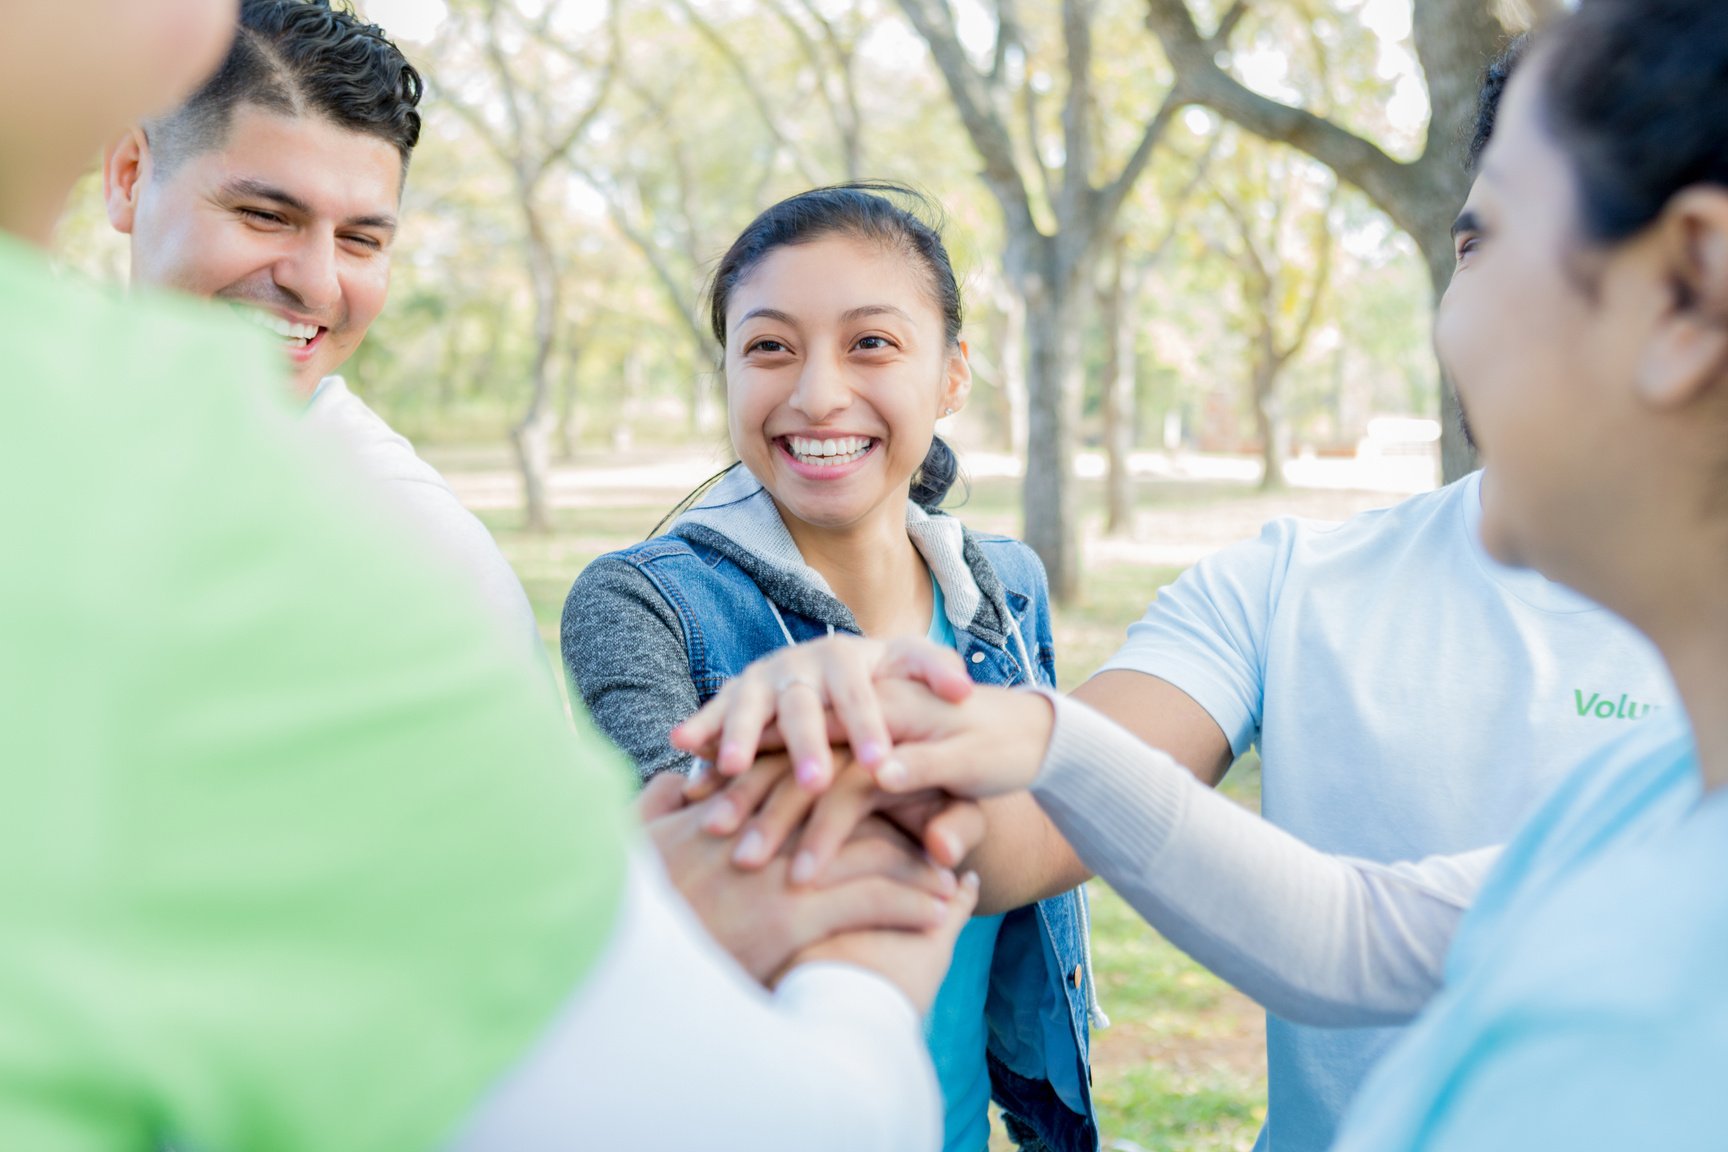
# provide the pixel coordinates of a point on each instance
(785, 682)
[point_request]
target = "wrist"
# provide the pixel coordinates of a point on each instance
(1028, 719)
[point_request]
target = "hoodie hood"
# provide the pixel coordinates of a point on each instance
(738, 518)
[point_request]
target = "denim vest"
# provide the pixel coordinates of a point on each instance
(1037, 1006)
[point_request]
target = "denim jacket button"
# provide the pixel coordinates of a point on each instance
(1076, 977)
(977, 657)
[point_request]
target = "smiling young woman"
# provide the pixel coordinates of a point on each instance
(840, 317)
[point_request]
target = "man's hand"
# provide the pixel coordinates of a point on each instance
(878, 881)
(915, 962)
(989, 744)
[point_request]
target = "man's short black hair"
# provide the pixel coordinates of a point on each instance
(299, 58)
(1493, 87)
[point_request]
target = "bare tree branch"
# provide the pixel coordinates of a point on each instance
(1076, 110)
(934, 21)
(1029, 111)
(758, 98)
(1203, 81)
(1178, 205)
(1111, 196)
(559, 150)
(1322, 279)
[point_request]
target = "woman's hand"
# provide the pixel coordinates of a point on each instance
(765, 807)
(797, 689)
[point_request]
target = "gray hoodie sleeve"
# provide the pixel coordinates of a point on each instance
(1318, 939)
(624, 652)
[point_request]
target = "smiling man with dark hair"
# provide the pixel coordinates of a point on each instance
(277, 185)
(276, 188)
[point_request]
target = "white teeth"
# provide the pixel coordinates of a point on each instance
(841, 450)
(284, 328)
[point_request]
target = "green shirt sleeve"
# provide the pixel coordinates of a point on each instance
(294, 852)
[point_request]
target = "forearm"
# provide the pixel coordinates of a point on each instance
(624, 651)
(833, 1059)
(1023, 858)
(1317, 939)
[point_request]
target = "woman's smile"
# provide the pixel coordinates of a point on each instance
(825, 458)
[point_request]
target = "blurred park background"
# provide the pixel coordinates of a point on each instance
(1200, 244)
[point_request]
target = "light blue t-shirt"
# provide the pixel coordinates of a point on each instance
(1586, 996)
(1409, 696)
(956, 1028)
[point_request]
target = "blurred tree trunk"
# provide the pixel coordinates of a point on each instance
(1119, 304)
(532, 436)
(1011, 361)
(569, 418)
(533, 137)
(1052, 272)
(1118, 319)
(1455, 40)
(1266, 290)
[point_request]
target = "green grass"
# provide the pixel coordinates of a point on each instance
(1182, 1068)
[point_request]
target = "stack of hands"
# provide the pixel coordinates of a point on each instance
(835, 816)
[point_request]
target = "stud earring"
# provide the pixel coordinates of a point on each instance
(947, 411)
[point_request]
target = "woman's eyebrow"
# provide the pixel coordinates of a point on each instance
(768, 313)
(873, 310)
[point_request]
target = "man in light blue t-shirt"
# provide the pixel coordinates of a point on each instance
(1409, 697)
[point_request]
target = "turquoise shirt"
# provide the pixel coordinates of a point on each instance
(1586, 996)
(955, 1027)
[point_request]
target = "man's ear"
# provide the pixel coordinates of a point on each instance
(1687, 353)
(125, 168)
(958, 385)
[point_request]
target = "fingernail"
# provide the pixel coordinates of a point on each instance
(721, 818)
(871, 752)
(948, 882)
(970, 881)
(808, 773)
(891, 775)
(938, 910)
(803, 868)
(729, 755)
(749, 848)
(950, 847)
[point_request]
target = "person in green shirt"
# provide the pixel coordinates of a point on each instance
(295, 852)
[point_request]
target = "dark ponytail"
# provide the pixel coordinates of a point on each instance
(936, 476)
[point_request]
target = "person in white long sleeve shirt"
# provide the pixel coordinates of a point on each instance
(308, 857)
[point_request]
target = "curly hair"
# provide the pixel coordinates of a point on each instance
(1488, 94)
(300, 58)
